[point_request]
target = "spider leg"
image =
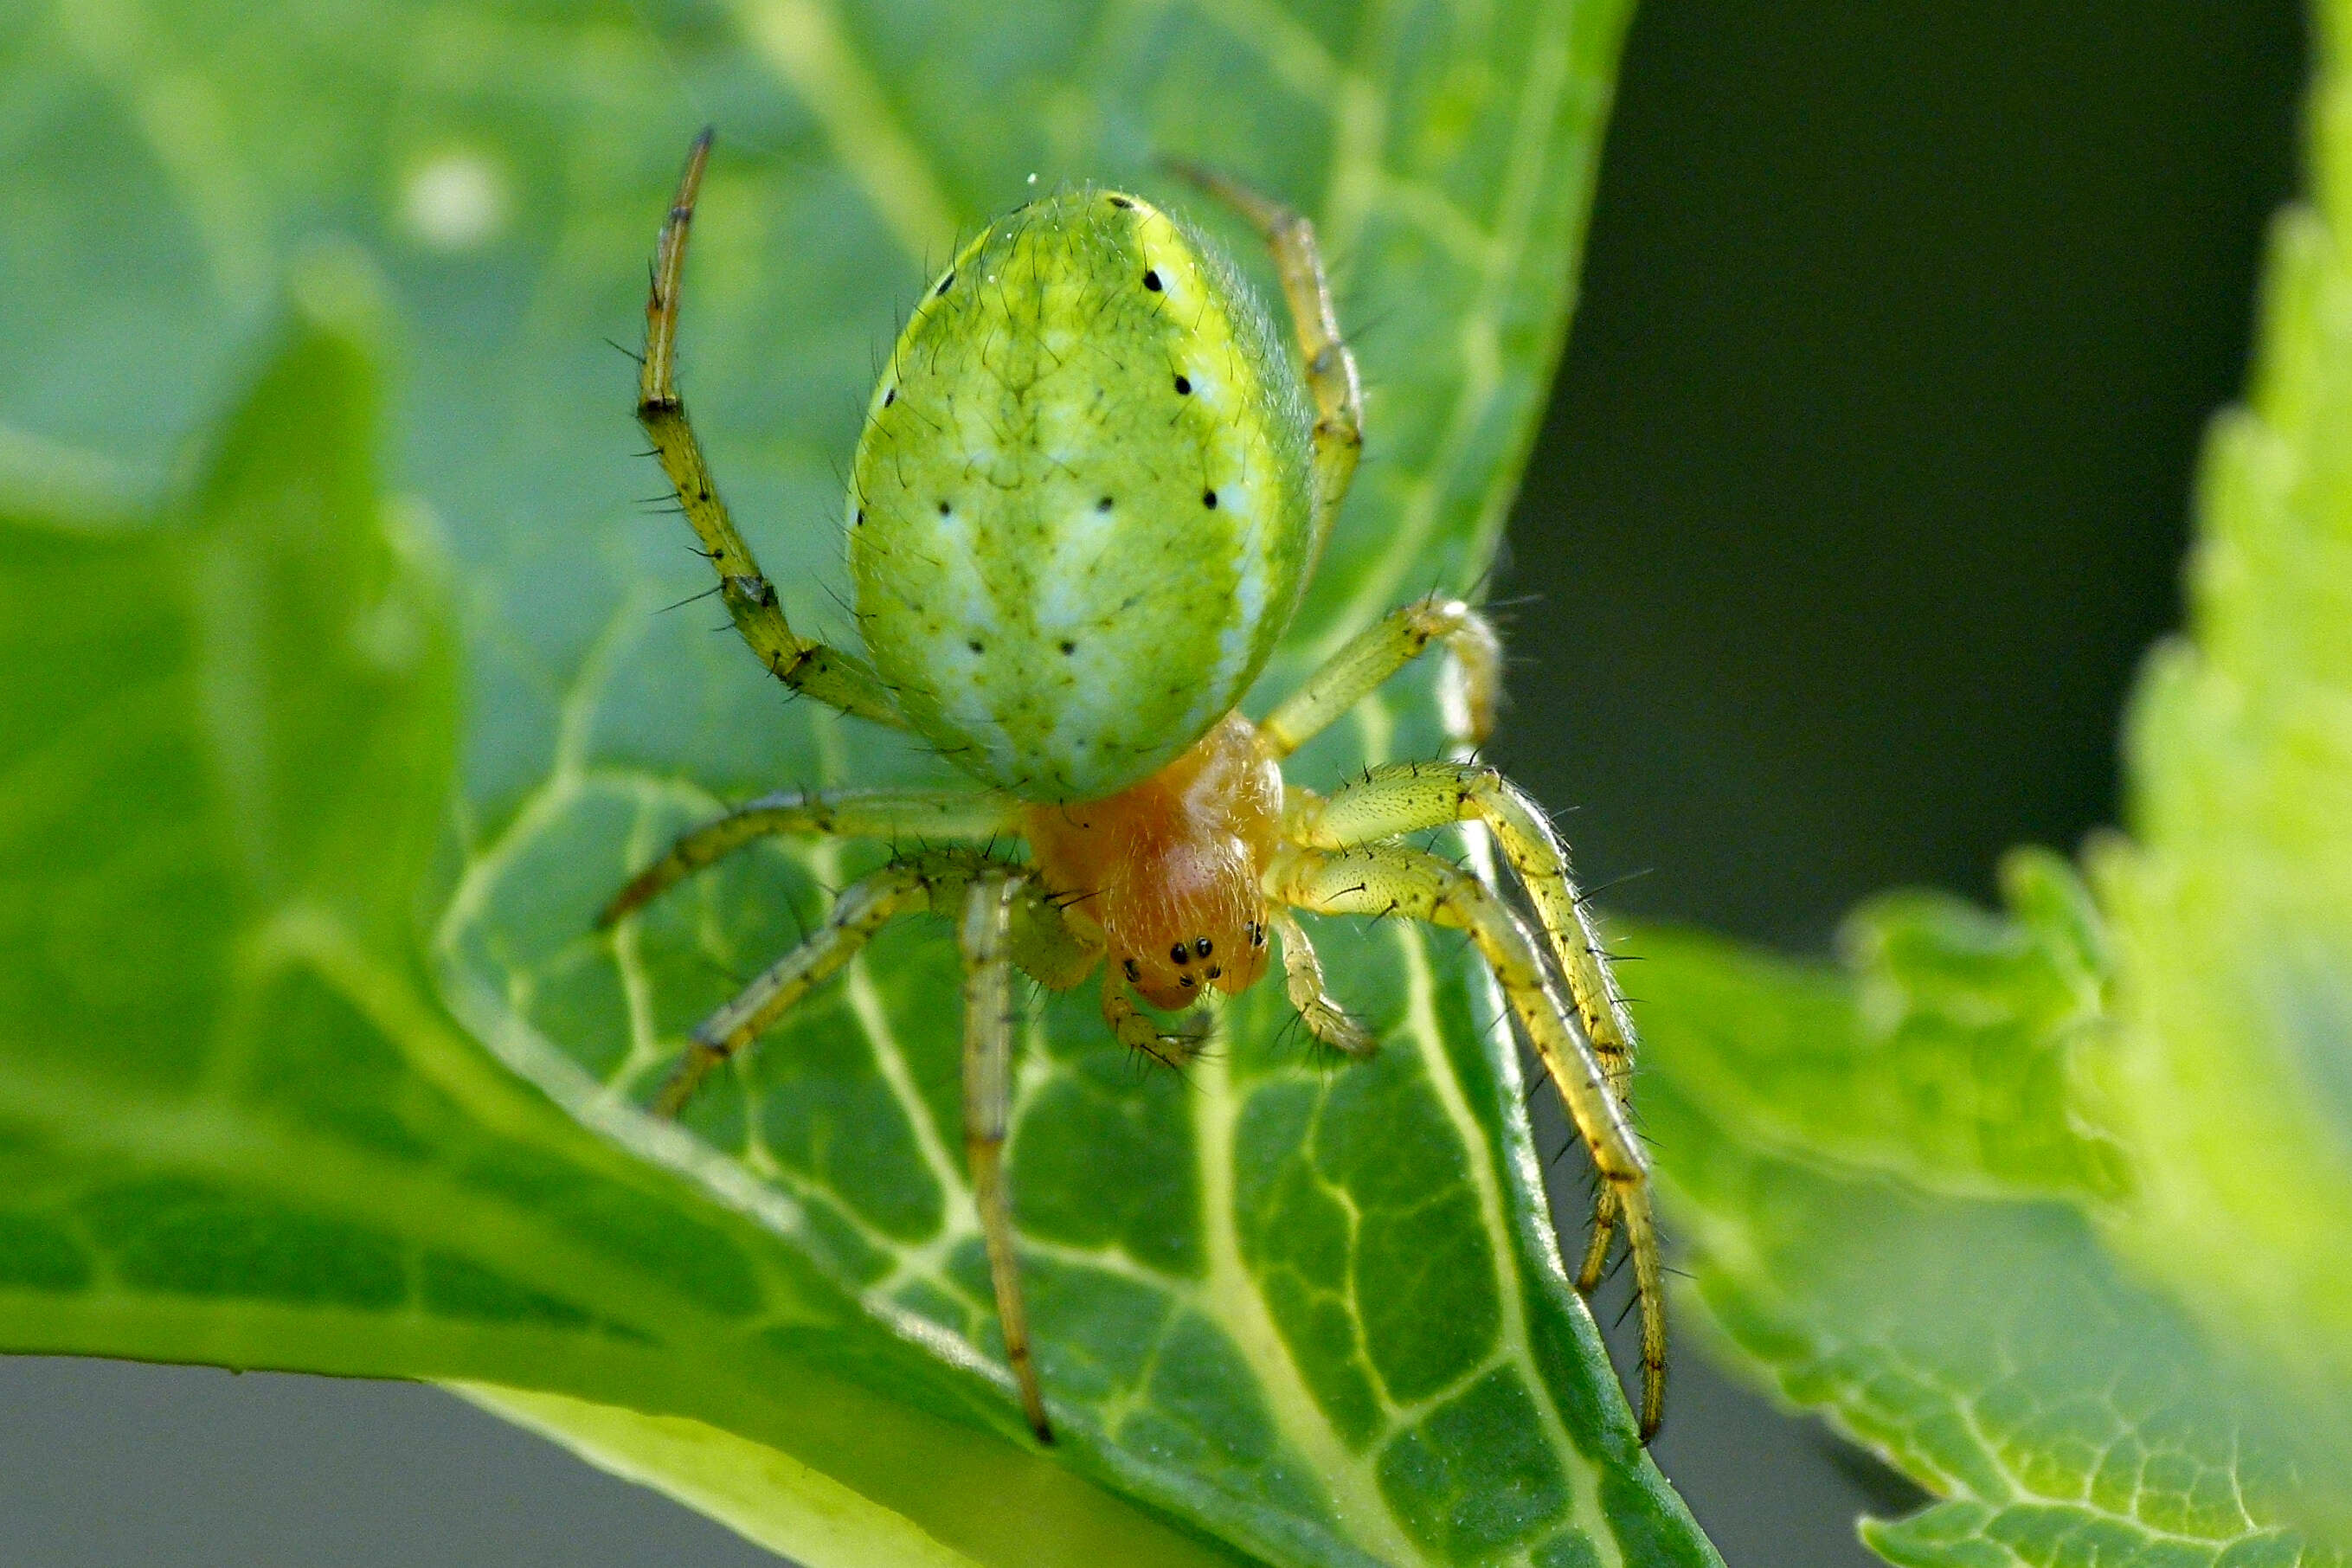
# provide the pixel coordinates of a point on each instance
(1406, 797)
(986, 935)
(1338, 439)
(1002, 921)
(865, 907)
(1596, 1245)
(899, 815)
(1373, 655)
(1302, 974)
(808, 667)
(1394, 879)
(1140, 1031)
(934, 879)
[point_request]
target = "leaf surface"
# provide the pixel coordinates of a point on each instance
(1993, 1348)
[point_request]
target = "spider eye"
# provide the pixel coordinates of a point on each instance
(1201, 946)
(1134, 970)
(1180, 953)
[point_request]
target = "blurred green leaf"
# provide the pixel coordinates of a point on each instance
(1943, 1058)
(2233, 900)
(2049, 1207)
(1317, 1315)
(1993, 1350)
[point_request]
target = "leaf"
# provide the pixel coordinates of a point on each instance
(1944, 1059)
(236, 1124)
(1315, 1315)
(1994, 1349)
(2233, 899)
(2049, 1206)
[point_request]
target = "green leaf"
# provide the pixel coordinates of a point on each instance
(236, 1124)
(1946, 1057)
(2049, 1206)
(1994, 1349)
(1317, 1316)
(2233, 900)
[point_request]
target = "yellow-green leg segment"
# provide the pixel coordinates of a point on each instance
(1408, 797)
(1331, 382)
(865, 907)
(917, 816)
(1302, 974)
(934, 879)
(808, 667)
(986, 933)
(1373, 655)
(1395, 879)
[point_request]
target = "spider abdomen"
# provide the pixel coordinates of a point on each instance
(1081, 507)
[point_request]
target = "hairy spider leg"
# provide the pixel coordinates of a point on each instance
(892, 815)
(812, 669)
(930, 879)
(1338, 436)
(1370, 658)
(985, 933)
(1364, 663)
(1407, 797)
(865, 907)
(1138, 1030)
(1302, 974)
(1395, 879)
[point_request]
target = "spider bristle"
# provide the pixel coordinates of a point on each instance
(844, 606)
(1589, 894)
(1631, 1302)
(733, 976)
(690, 599)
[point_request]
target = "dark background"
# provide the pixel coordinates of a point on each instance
(1864, 491)
(1866, 486)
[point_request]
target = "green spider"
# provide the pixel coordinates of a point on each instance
(1089, 494)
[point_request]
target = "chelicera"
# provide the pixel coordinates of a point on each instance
(1091, 488)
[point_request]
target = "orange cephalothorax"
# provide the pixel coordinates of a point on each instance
(1169, 868)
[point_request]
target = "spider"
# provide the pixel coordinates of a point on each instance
(1090, 490)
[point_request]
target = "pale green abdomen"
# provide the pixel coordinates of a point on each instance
(1081, 506)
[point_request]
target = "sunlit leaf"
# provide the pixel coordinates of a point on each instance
(1995, 1350)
